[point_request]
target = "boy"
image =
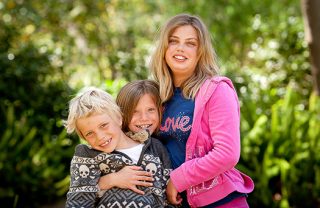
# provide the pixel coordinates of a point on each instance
(95, 116)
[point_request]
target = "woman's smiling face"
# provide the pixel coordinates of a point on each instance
(182, 53)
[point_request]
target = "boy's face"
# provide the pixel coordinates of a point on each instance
(101, 131)
(145, 115)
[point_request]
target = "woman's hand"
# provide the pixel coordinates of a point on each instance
(172, 194)
(128, 177)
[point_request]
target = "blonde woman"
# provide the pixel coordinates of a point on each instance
(201, 118)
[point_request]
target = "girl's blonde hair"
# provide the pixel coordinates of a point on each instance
(131, 93)
(205, 68)
(88, 101)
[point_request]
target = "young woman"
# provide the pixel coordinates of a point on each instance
(201, 118)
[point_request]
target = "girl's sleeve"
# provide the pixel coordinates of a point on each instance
(224, 124)
(166, 163)
(84, 175)
(166, 173)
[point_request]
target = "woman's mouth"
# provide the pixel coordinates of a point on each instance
(179, 57)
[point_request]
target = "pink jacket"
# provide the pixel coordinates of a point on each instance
(213, 147)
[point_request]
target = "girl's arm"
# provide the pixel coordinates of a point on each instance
(224, 124)
(128, 177)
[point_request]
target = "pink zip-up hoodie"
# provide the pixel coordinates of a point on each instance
(213, 147)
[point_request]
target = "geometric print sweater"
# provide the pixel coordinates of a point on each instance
(88, 165)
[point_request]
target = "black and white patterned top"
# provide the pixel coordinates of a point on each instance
(88, 165)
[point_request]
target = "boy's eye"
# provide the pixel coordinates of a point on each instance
(88, 134)
(104, 125)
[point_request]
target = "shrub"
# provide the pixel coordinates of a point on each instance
(281, 151)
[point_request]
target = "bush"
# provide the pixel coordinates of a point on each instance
(35, 151)
(33, 165)
(280, 153)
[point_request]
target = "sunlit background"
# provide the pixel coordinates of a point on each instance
(51, 48)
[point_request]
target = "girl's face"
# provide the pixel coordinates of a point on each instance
(145, 115)
(101, 132)
(182, 53)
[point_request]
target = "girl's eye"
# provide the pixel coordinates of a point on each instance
(151, 109)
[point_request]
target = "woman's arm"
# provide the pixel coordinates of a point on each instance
(129, 177)
(224, 124)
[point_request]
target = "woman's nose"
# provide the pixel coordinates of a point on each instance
(180, 47)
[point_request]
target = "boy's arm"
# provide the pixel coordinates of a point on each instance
(84, 174)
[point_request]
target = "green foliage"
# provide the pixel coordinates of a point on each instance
(51, 48)
(34, 150)
(281, 151)
(33, 165)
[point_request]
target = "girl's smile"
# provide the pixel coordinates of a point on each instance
(145, 115)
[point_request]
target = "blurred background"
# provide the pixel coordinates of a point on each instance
(49, 49)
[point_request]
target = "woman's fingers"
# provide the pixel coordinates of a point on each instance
(133, 176)
(135, 189)
(134, 167)
(142, 183)
(144, 178)
(140, 171)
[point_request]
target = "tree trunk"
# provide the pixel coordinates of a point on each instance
(311, 14)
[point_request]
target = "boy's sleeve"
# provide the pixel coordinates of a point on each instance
(84, 174)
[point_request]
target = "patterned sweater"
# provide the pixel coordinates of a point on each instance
(88, 165)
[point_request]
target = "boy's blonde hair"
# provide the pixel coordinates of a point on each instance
(88, 101)
(206, 67)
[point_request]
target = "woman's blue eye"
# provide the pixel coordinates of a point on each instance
(173, 41)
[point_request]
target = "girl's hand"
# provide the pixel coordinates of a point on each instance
(128, 177)
(172, 194)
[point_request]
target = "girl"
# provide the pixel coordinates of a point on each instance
(140, 104)
(201, 118)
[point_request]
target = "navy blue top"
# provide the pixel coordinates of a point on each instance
(176, 126)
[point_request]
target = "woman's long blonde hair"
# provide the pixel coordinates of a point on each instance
(205, 68)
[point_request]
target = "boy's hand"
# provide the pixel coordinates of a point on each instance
(128, 177)
(172, 194)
